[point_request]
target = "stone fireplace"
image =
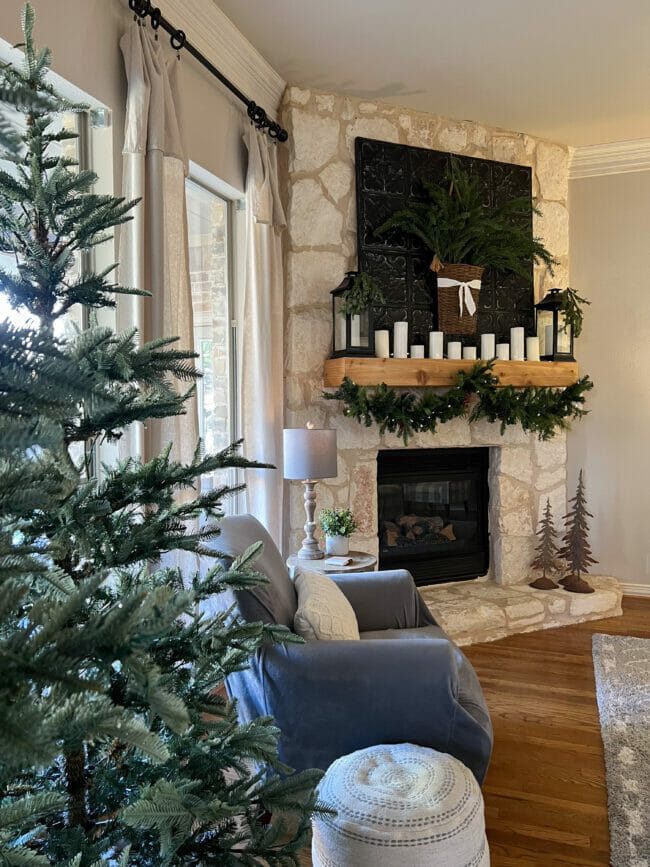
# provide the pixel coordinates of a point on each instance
(321, 246)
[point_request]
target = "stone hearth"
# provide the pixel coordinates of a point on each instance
(474, 611)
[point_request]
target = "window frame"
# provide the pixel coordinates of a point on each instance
(214, 186)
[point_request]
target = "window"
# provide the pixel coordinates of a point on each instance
(76, 122)
(210, 231)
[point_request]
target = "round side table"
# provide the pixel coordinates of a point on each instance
(361, 562)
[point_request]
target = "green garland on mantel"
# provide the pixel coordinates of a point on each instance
(543, 409)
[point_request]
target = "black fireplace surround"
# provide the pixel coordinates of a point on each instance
(433, 513)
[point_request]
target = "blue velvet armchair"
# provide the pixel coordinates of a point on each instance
(405, 681)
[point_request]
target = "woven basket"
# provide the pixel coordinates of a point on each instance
(449, 319)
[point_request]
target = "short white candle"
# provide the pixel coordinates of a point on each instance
(454, 349)
(400, 339)
(503, 351)
(517, 344)
(532, 348)
(417, 350)
(548, 340)
(487, 346)
(436, 339)
(382, 344)
(469, 353)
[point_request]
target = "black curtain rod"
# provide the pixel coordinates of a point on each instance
(144, 9)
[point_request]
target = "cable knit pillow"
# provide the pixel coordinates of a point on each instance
(323, 613)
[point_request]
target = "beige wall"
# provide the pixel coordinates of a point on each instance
(84, 37)
(610, 238)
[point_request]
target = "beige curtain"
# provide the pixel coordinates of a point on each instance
(261, 347)
(153, 250)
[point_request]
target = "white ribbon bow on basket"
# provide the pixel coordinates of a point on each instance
(464, 292)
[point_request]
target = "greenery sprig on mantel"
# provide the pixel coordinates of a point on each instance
(572, 308)
(363, 294)
(542, 409)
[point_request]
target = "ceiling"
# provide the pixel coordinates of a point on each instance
(574, 71)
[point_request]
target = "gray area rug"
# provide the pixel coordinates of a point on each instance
(622, 668)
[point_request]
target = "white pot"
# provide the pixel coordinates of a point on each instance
(338, 546)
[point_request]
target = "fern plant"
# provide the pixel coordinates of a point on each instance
(455, 225)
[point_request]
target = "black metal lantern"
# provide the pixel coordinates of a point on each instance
(554, 332)
(352, 334)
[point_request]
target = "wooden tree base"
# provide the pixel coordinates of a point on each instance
(575, 584)
(543, 583)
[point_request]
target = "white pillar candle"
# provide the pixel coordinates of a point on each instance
(355, 331)
(487, 346)
(532, 348)
(417, 350)
(341, 334)
(454, 348)
(436, 344)
(548, 340)
(382, 344)
(517, 344)
(469, 353)
(400, 339)
(503, 351)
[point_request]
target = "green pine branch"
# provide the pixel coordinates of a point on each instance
(542, 410)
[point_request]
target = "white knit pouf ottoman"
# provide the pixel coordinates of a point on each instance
(400, 806)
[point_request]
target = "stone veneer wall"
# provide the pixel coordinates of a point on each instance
(321, 247)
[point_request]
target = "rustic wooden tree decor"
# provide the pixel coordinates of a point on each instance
(576, 551)
(546, 558)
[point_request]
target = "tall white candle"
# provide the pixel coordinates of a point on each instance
(436, 344)
(341, 334)
(487, 346)
(400, 339)
(503, 351)
(454, 348)
(382, 344)
(417, 350)
(517, 344)
(469, 353)
(548, 340)
(355, 331)
(532, 348)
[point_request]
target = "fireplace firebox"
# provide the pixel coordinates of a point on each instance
(433, 513)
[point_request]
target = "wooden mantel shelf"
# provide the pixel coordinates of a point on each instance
(444, 372)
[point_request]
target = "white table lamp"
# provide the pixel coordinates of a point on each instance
(310, 454)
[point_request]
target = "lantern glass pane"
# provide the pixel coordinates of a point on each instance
(563, 334)
(359, 331)
(545, 331)
(339, 324)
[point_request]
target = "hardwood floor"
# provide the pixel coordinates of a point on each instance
(545, 794)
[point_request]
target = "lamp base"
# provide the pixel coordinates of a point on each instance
(310, 549)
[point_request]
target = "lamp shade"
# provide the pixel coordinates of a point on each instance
(309, 453)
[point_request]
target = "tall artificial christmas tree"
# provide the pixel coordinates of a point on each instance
(117, 746)
(546, 552)
(576, 551)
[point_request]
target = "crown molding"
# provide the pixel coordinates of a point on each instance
(215, 36)
(613, 158)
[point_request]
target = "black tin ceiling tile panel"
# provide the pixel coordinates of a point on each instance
(390, 175)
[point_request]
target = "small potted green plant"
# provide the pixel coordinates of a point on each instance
(338, 525)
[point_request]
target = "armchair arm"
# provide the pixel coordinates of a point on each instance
(330, 698)
(384, 600)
